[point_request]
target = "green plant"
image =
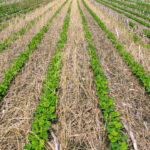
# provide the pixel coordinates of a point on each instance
(129, 16)
(133, 6)
(136, 68)
(45, 112)
(6, 14)
(112, 118)
(18, 63)
(15, 35)
(131, 24)
(136, 38)
(129, 11)
(146, 32)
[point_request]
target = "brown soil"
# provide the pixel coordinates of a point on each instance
(140, 53)
(80, 122)
(18, 22)
(18, 106)
(129, 95)
(20, 45)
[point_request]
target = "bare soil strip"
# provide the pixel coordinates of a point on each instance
(130, 97)
(140, 54)
(20, 45)
(18, 106)
(19, 22)
(80, 122)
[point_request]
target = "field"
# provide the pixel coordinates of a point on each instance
(75, 75)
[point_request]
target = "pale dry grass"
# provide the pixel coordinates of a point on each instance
(20, 45)
(19, 22)
(80, 122)
(129, 95)
(140, 54)
(18, 106)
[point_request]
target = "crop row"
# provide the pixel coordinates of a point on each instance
(121, 12)
(19, 13)
(5, 9)
(45, 112)
(112, 118)
(130, 6)
(18, 63)
(5, 18)
(6, 24)
(15, 35)
(129, 11)
(136, 68)
(3, 14)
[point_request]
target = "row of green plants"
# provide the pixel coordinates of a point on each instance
(18, 63)
(29, 6)
(136, 38)
(5, 18)
(136, 68)
(132, 24)
(19, 5)
(143, 5)
(121, 12)
(16, 35)
(45, 112)
(6, 23)
(17, 10)
(113, 126)
(129, 11)
(131, 6)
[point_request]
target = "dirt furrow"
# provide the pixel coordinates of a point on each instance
(140, 53)
(20, 45)
(19, 22)
(130, 96)
(80, 122)
(18, 106)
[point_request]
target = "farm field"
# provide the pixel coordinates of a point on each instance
(75, 75)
